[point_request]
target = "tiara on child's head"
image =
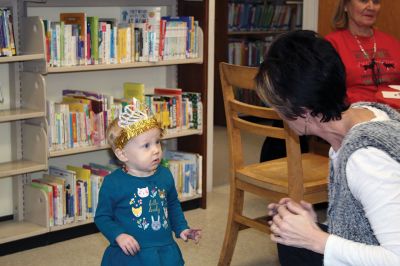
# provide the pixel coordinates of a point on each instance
(134, 120)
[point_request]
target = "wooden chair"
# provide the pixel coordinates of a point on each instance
(299, 176)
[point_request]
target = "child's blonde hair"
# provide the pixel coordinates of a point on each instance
(134, 120)
(112, 133)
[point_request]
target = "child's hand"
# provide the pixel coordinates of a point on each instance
(194, 234)
(128, 244)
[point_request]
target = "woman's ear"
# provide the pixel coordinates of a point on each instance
(120, 155)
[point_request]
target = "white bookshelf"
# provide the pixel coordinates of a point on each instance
(27, 111)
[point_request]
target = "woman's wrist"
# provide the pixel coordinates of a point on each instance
(319, 240)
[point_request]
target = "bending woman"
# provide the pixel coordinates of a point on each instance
(303, 79)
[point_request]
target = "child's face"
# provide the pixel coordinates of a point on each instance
(142, 154)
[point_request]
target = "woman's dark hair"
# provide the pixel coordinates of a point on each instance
(303, 71)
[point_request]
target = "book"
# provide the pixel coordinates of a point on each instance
(188, 33)
(108, 45)
(124, 43)
(60, 203)
(163, 28)
(81, 192)
(176, 104)
(93, 24)
(99, 104)
(142, 42)
(80, 120)
(8, 30)
(62, 126)
(83, 174)
(161, 107)
(55, 43)
(57, 204)
(50, 119)
(146, 19)
(194, 110)
(78, 19)
(134, 90)
(96, 178)
(70, 191)
(97, 100)
(5, 33)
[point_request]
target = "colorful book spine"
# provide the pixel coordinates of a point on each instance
(134, 90)
(93, 22)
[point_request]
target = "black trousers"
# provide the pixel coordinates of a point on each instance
(290, 256)
(275, 148)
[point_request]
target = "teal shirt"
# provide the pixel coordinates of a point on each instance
(146, 208)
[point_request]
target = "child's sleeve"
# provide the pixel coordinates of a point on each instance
(175, 213)
(104, 218)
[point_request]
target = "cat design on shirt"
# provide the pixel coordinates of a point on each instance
(137, 211)
(143, 192)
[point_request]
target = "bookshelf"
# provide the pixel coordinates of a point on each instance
(26, 105)
(248, 35)
(34, 82)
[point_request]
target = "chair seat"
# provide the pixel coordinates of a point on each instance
(273, 175)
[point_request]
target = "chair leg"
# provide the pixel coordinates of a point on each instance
(232, 228)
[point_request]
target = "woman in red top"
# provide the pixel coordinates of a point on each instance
(371, 57)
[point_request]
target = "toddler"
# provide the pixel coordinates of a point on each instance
(138, 205)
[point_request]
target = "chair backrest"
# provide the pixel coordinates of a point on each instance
(232, 78)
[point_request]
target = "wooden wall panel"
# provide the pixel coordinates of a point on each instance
(389, 18)
(325, 13)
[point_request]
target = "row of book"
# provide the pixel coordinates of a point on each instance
(186, 168)
(7, 42)
(263, 16)
(176, 110)
(73, 192)
(172, 37)
(247, 52)
(81, 118)
(141, 35)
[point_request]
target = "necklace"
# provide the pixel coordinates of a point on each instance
(366, 55)
(373, 65)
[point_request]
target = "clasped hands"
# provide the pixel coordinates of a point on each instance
(295, 224)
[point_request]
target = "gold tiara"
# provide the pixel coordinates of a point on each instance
(134, 120)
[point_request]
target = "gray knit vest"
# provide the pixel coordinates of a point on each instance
(346, 217)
